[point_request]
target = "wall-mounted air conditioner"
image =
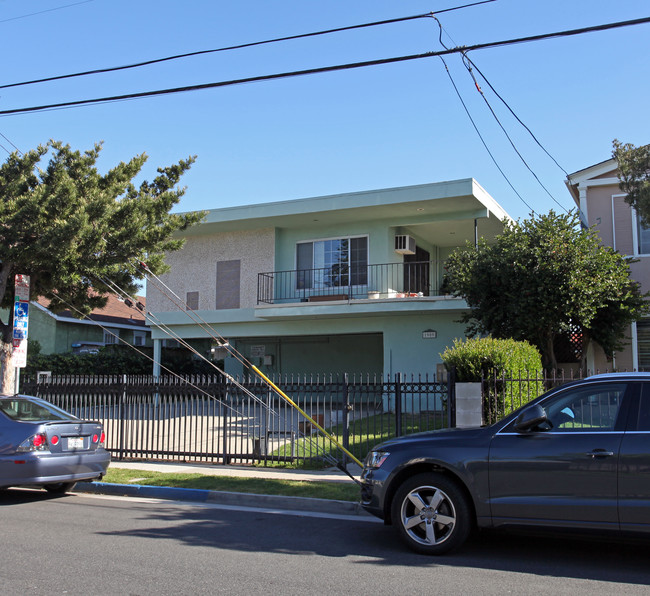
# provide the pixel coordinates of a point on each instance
(405, 245)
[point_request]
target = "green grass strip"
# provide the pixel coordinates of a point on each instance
(341, 491)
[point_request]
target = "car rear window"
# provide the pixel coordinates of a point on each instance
(25, 410)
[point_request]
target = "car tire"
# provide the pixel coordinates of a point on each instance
(432, 514)
(60, 488)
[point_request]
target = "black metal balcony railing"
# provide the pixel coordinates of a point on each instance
(391, 280)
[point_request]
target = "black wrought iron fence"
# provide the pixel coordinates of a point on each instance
(502, 394)
(211, 419)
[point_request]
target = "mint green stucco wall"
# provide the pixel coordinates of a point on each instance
(387, 344)
(57, 337)
(356, 354)
(42, 328)
(380, 241)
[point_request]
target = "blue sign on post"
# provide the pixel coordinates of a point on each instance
(21, 322)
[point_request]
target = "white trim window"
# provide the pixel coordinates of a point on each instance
(111, 336)
(139, 338)
(333, 263)
(643, 238)
(643, 344)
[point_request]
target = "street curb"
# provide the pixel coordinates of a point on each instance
(225, 498)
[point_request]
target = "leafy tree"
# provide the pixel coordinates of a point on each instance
(543, 277)
(634, 176)
(73, 230)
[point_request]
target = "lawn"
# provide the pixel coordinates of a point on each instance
(342, 491)
(364, 433)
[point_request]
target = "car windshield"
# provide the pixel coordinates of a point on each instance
(26, 410)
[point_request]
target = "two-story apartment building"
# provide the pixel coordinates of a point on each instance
(342, 283)
(596, 192)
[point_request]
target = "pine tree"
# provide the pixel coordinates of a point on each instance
(74, 230)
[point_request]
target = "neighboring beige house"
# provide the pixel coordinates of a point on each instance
(602, 205)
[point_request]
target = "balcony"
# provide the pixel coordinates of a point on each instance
(343, 283)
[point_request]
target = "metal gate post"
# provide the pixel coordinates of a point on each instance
(398, 404)
(122, 419)
(347, 408)
(226, 409)
(451, 398)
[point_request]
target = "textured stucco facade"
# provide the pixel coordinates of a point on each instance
(194, 267)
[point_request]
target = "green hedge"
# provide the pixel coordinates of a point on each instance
(509, 369)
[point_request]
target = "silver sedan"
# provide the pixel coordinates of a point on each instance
(42, 445)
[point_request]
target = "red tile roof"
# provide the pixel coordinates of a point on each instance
(115, 311)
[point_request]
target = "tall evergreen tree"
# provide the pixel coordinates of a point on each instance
(73, 230)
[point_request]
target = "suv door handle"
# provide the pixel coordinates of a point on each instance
(599, 453)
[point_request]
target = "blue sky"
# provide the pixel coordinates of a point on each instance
(378, 127)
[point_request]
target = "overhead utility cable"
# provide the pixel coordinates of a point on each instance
(33, 14)
(350, 66)
(530, 132)
(480, 136)
(468, 66)
(237, 47)
(512, 143)
(9, 141)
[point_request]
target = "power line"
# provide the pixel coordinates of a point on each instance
(33, 14)
(480, 136)
(505, 103)
(468, 61)
(471, 119)
(512, 143)
(9, 141)
(468, 65)
(238, 46)
(350, 66)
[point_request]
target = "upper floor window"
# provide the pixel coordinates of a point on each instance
(643, 234)
(339, 262)
(192, 301)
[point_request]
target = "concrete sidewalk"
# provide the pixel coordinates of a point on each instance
(233, 499)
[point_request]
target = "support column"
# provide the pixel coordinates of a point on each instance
(157, 354)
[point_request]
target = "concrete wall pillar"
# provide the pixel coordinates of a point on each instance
(469, 405)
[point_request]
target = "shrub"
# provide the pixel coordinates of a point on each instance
(509, 371)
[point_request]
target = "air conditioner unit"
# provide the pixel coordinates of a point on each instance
(405, 245)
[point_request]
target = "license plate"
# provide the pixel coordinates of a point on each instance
(75, 443)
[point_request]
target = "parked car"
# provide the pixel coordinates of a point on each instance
(577, 457)
(42, 445)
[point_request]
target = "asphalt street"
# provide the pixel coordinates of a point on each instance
(102, 544)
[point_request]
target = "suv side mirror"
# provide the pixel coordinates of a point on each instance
(530, 418)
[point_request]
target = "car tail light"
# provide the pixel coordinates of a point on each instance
(102, 439)
(54, 440)
(95, 438)
(36, 442)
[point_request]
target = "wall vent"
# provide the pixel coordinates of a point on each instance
(405, 245)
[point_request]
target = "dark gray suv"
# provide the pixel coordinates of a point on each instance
(577, 457)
